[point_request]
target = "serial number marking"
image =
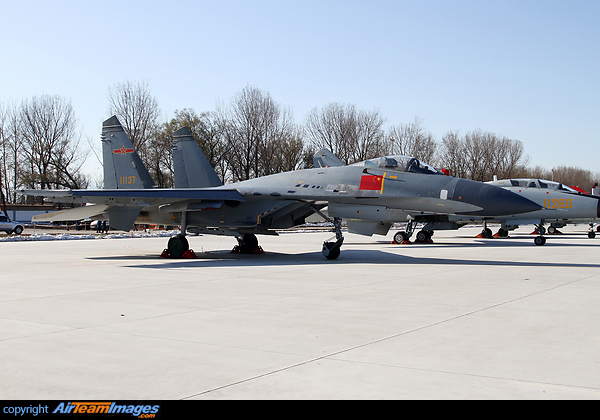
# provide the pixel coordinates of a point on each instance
(127, 180)
(553, 203)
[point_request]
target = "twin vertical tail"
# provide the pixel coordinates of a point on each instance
(192, 169)
(123, 168)
(324, 158)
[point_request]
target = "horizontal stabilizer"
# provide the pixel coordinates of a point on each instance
(71, 215)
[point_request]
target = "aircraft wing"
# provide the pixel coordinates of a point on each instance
(107, 196)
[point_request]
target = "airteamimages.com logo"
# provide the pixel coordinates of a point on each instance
(141, 411)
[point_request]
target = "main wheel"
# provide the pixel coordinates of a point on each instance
(331, 250)
(487, 233)
(400, 237)
(248, 243)
(177, 246)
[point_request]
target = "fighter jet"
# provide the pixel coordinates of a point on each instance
(559, 205)
(378, 189)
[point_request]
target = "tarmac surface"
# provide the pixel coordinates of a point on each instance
(462, 318)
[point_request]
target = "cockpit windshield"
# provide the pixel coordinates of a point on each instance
(537, 183)
(400, 163)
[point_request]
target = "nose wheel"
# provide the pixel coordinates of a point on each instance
(541, 230)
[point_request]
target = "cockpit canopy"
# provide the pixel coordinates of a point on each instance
(400, 163)
(533, 183)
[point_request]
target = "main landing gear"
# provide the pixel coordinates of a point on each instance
(423, 236)
(331, 250)
(178, 246)
(247, 244)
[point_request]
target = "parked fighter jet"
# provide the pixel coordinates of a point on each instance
(559, 205)
(262, 205)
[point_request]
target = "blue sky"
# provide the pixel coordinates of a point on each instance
(527, 70)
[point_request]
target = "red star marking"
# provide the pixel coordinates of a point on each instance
(122, 150)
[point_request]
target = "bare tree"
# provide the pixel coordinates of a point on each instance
(412, 140)
(351, 135)
(452, 155)
(52, 153)
(137, 111)
(12, 151)
(480, 155)
(575, 177)
(253, 128)
(3, 155)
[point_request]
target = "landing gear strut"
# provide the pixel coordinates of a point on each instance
(486, 232)
(331, 250)
(541, 230)
(591, 233)
(178, 245)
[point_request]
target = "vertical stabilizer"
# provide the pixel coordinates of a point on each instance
(192, 169)
(324, 158)
(123, 168)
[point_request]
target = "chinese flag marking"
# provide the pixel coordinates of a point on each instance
(370, 182)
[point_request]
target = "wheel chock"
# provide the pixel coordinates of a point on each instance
(187, 254)
(256, 250)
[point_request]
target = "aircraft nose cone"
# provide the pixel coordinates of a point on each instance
(494, 201)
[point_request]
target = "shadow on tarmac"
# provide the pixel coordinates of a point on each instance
(348, 256)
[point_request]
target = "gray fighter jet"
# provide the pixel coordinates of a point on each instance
(263, 205)
(559, 205)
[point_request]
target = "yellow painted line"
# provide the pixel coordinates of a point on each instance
(382, 180)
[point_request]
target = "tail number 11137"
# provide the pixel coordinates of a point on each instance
(127, 180)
